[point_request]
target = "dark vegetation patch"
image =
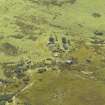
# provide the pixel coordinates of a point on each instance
(16, 69)
(38, 20)
(19, 36)
(33, 27)
(98, 45)
(97, 42)
(41, 70)
(30, 26)
(54, 2)
(9, 49)
(72, 1)
(80, 25)
(6, 81)
(6, 98)
(96, 15)
(58, 26)
(100, 33)
(1, 37)
(25, 27)
(33, 20)
(32, 37)
(34, 1)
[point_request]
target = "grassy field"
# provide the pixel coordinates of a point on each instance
(39, 73)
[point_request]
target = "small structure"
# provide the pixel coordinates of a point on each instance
(70, 61)
(65, 46)
(65, 43)
(64, 40)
